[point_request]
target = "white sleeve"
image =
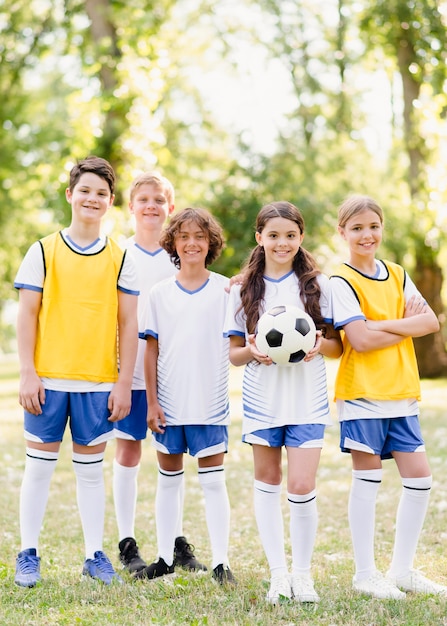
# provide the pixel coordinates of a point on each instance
(150, 326)
(31, 273)
(234, 323)
(410, 288)
(128, 278)
(325, 298)
(345, 306)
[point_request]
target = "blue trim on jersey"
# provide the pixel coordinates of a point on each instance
(30, 287)
(78, 247)
(355, 318)
(213, 416)
(149, 333)
(278, 280)
(129, 291)
(148, 251)
(195, 290)
(233, 333)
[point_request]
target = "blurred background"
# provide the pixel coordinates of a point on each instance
(238, 103)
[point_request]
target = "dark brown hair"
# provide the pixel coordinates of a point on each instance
(304, 266)
(95, 165)
(205, 221)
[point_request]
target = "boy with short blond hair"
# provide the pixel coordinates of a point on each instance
(151, 203)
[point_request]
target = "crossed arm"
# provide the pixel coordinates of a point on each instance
(418, 320)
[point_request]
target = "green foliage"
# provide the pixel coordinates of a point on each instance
(119, 79)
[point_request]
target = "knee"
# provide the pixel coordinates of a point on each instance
(128, 453)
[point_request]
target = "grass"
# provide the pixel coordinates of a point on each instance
(63, 599)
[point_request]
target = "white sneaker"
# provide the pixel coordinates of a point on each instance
(279, 590)
(303, 589)
(418, 583)
(378, 586)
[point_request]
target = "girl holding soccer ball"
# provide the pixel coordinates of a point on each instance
(283, 405)
(377, 389)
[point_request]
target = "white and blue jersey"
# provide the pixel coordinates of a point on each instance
(276, 395)
(193, 363)
(152, 267)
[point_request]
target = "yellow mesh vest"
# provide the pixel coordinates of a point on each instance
(389, 373)
(77, 324)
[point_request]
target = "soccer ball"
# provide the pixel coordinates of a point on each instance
(285, 334)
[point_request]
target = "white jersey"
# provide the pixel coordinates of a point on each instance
(274, 395)
(152, 267)
(193, 364)
(346, 308)
(31, 275)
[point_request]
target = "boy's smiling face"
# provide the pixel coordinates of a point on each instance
(150, 206)
(90, 198)
(192, 244)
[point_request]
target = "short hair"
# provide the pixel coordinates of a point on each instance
(355, 204)
(95, 165)
(153, 178)
(205, 221)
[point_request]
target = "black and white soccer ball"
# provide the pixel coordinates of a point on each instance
(285, 333)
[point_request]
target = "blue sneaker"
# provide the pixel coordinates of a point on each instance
(27, 568)
(100, 568)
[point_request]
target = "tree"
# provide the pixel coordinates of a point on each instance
(414, 35)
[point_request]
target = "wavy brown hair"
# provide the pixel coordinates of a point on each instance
(205, 221)
(304, 266)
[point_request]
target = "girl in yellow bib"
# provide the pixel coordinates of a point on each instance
(377, 389)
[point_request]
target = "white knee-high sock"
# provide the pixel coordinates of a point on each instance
(39, 468)
(91, 497)
(362, 518)
(410, 518)
(217, 507)
(303, 530)
(167, 511)
(269, 519)
(181, 501)
(125, 492)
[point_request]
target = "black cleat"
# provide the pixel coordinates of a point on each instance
(184, 556)
(224, 575)
(156, 569)
(130, 556)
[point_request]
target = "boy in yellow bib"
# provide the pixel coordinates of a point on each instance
(77, 304)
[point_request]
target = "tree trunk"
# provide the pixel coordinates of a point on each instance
(114, 109)
(430, 350)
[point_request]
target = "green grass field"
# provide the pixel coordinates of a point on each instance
(63, 599)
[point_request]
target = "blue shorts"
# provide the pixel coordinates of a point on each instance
(88, 415)
(294, 436)
(382, 436)
(134, 426)
(199, 441)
